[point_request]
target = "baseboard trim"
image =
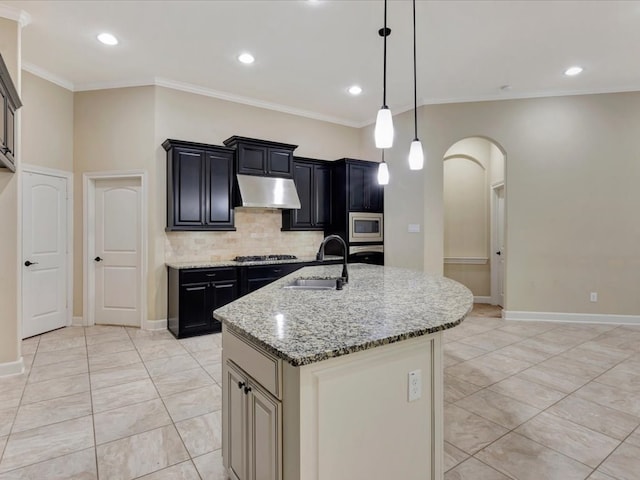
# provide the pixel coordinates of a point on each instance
(572, 317)
(155, 324)
(77, 322)
(12, 368)
(481, 299)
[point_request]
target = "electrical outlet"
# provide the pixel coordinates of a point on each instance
(415, 385)
(593, 296)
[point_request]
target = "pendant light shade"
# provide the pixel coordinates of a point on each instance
(416, 155)
(383, 132)
(383, 172)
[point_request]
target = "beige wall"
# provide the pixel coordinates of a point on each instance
(471, 166)
(572, 167)
(496, 169)
(112, 131)
(47, 124)
(466, 221)
(404, 197)
(122, 129)
(10, 248)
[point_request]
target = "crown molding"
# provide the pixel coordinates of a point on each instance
(207, 92)
(87, 87)
(46, 75)
(187, 87)
(20, 16)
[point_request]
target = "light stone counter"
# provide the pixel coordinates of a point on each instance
(379, 305)
(232, 263)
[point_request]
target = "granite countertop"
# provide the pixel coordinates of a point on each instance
(232, 263)
(379, 305)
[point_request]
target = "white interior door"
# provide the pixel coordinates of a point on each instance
(44, 249)
(118, 259)
(499, 250)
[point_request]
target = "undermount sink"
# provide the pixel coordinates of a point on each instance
(313, 284)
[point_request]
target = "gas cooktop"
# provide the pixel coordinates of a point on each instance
(262, 258)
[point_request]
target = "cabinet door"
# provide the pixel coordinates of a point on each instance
(322, 196)
(373, 191)
(224, 292)
(219, 174)
(188, 208)
(358, 182)
(236, 432)
(265, 435)
(280, 162)
(196, 306)
(252, 160)
(303, 178)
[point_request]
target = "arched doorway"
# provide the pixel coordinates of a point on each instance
(474, 217)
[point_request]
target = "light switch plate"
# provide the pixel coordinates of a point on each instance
(414, 228)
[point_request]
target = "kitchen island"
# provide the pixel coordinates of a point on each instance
(316, 383)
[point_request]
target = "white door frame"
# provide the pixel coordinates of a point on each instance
(68, 177)
(494, 233)
(88, 231)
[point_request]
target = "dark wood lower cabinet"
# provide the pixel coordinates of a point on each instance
(193, 296)
(254, 277)
(194, 293)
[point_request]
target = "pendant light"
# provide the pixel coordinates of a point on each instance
(383, 132)
(416, 155)
(383, 172)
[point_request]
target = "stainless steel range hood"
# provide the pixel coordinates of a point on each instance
(268, 192)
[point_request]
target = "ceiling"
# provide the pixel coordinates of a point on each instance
(309, 53)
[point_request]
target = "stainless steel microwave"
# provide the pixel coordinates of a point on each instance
(366, 227)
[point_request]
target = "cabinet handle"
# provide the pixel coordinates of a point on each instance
(247, 390)
(241, 384)
(210, 274)
(277, 270)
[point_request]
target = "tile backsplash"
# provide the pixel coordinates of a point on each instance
(257, 233)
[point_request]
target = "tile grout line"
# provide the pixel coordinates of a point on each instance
(544, 410)
(15, 415)
(173, 423)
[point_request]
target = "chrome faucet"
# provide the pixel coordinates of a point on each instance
(320, 254)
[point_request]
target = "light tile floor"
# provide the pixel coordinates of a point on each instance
(523, 400)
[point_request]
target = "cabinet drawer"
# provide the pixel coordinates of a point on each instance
(273, 271)
(202, 275)
(264, 368)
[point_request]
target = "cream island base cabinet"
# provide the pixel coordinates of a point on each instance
(344, 418)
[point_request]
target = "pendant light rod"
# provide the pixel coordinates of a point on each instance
(383, 131)
(415, 81)
(416, 154)
(384, 33)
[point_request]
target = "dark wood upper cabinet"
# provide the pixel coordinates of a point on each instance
(199, 186)
(9, 103)
(313, 183)
(365, 195)
(261, 157)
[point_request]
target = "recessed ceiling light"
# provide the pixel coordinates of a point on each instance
(355, 90)
(246, 58)
(107, 39)
(571, 71)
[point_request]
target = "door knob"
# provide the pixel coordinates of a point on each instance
(498, 253)
(98, 259)
(28, 263)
